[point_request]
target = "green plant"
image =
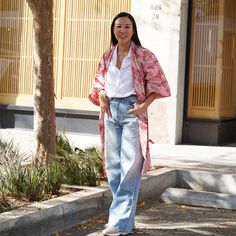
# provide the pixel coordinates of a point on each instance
(78, 170)
(30, 182)
(22, 181)
(55, 176)
(5, 205)
(63, 146)
(32, 186)
(10, 167)
(9, 151)
(83, 168)
(95, 155)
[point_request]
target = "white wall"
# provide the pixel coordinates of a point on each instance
(162, 26)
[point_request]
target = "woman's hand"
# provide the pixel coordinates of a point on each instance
(104, 103)
(138, 109)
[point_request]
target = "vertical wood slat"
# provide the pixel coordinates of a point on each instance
(203, 57)
(219, 60)
(234, 57)
(81, 35)
(59, 24)
(13, 18)
(82, 55)
(228, 56)
(212, 60)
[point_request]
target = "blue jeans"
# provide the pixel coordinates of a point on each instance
(123, 162)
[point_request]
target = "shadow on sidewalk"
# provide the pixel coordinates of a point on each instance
(155, 218)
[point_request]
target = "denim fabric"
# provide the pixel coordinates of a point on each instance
(123, 162)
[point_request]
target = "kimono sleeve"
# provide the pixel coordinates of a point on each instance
(156, 81)
(98, 82)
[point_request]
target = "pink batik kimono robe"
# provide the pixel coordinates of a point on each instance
(148, 78)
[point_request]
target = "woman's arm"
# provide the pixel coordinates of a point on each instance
(139, 109)
(156, 81)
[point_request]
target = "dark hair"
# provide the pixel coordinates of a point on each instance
(134, 38)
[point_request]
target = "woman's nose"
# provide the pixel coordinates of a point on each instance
(122, 29)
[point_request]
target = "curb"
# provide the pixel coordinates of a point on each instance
(59, 214)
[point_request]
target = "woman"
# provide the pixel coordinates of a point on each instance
(129, 78)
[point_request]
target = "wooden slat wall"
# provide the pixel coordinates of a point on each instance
(86, 38)
(81, 35)
(229, 61)
(212, 74)
(15, 65)
(203, 62)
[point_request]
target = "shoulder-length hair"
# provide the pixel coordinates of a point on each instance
(134, 38)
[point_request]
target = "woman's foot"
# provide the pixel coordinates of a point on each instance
(111, 231)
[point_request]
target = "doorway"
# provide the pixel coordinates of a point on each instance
(211, 98)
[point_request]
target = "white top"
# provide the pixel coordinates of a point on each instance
(119, 82)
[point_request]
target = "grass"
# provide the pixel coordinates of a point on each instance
(28, 183)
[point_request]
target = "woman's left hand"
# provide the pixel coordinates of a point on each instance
(138, 109)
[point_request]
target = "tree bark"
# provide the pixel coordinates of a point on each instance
(44, 104)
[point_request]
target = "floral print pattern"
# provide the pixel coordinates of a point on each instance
(148, 78)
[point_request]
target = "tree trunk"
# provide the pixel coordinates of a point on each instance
(44, 104)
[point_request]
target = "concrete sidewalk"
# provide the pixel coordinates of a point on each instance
(219, 159)
(158, 219)
(205, 158)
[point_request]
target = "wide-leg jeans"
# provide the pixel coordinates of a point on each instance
(123, 162)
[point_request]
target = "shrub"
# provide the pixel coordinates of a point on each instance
(10, 152)
(63, 146)
(80, 168)
(55, 176)
(10, 167)
(95, 155)
(5, 205)
(18, 180)
(34, 183)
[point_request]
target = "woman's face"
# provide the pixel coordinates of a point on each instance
(123, 30)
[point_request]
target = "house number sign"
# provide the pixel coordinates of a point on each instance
(155, 11)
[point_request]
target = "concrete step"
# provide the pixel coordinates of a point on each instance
(199, 198)
(207, 181)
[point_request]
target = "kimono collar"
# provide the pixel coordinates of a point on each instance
(131, 52)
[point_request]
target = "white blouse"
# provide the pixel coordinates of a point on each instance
(119, 82)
